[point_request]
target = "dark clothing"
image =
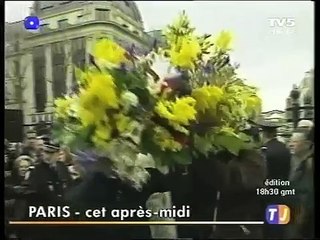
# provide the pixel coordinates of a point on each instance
(181, 187)
(17, 196)
(48, 186)
(29, 151)
(278, 159)
(238, 200)
(225, 184)
(97, 191)
(302, 203)
(45, 181)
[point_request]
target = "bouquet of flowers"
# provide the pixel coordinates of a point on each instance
(122, 109)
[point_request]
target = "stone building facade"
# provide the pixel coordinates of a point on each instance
(40, 64)
(284, 132)
(306, 98)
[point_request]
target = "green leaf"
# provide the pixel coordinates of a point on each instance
(147, 145)
(128, 80)
(232, 143)
(202, 144)
(183, 157)
(80, 75)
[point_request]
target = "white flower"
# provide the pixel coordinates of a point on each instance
(129, 99)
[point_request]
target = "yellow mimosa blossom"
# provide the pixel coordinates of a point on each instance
(102, 135)
(102, 87)
(185, 54)
(122, 122)
(224, 40)
(165, 140)
(109, 51)
(91, 116)
(253, 105)
(62, 106)
(207, 97)
(103, 131)
(182, 111)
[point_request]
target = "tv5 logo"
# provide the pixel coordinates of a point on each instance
(278, 214)
(282, 22)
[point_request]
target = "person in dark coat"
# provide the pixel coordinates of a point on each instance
(225, 190)
(278, 160)
(211, 186)
(102, 188)
(181, 186)
(277, 155)
(17, 192)
(29, 146)
(301, 179)
(48, 176)
(47, 180)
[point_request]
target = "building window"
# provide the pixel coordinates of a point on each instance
(102, 14)
(46, 7)
(59, 70)
(44, 27)
(59, 80)
(80, 18)
(58, 48)
(125, 25)
(16, 47)
(78, 43)
(63, 23)
(307, 99)
(65, 2)
(8, 92)
(78, 54)
(40, 85)
(16, 68)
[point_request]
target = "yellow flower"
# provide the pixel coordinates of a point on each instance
(184, 110)
(185, 55)
(103, 131)
(102, 135)
(224, 40)
(207, 97)
(109, 51)
(253, 105)
(122, 122)
(91, 116)
(102, 87)
(165, 140)
(62, 106)
(178, 113)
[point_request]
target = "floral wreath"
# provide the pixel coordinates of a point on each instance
(123, 111)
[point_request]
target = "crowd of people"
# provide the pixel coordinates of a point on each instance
(220, 187)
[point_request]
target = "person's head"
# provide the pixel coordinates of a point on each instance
(22, 165)
(305, 124)
(30, 139)
(76, 170)
(66, 156)
(269, 133)
(299, 143)
(254, 133)
(50, 152)
(39, 143)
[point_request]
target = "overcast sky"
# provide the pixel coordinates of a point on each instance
(272, 61)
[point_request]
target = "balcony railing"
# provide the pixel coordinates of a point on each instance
(46, 117)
